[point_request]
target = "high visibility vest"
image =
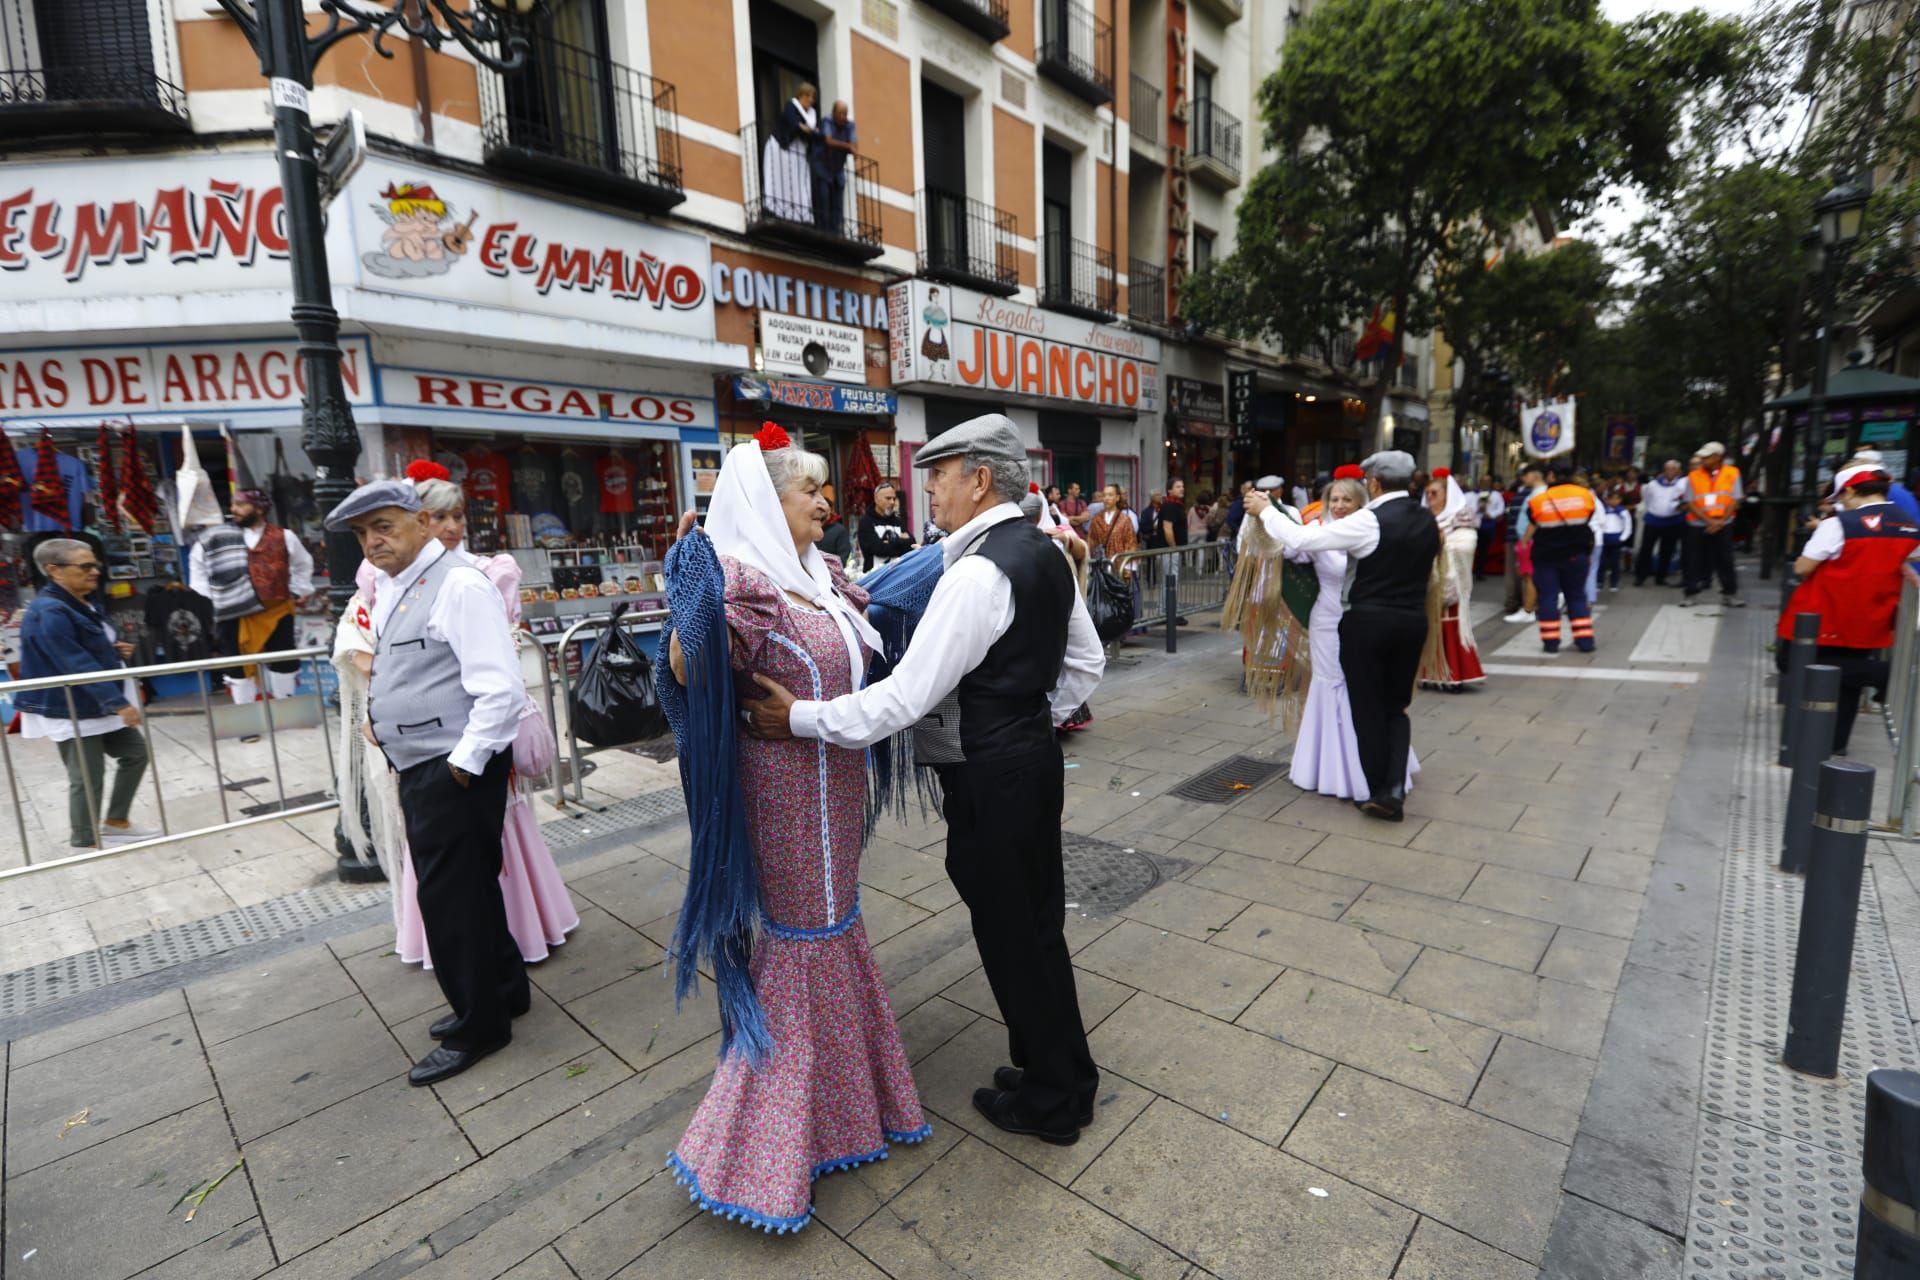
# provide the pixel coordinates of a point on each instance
(1561, 518)
(1715, 493)
(1857, 592)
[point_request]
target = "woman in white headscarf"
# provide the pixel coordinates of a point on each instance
(1459, 521)
(835, 1090)
(787, 175)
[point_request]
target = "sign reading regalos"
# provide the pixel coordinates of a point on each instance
(467, 395)
(1546, 430)
(943, 336)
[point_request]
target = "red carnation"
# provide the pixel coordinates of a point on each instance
(771, 436)
(1351, 471)
(423, 469)
(1442, 473)
(1032, 487)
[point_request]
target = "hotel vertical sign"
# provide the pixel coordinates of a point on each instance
(1179, 220)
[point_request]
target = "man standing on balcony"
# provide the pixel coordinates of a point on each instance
(837, 141)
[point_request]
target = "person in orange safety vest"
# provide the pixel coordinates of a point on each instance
(1560, 528)
(1713, 499)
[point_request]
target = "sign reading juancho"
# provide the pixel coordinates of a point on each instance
(952, 337)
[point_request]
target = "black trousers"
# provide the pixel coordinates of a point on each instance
(1708, 555)
(280, 641)
(1657, 544)
(1003, 855)
(1380, 655)
(1860, 670)
(453, 836)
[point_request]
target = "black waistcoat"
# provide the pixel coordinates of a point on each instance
(1395, 575)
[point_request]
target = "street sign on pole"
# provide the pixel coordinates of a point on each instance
(345, 151)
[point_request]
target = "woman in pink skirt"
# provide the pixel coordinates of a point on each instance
(835, 1088)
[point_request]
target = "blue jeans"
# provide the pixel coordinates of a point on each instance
(1554, 578)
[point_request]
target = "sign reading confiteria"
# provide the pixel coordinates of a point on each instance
(229, 377)
(943, 336)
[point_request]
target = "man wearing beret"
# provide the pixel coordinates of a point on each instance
(443, 706)
(253, 572)
(1391, 544)
(1004, 653)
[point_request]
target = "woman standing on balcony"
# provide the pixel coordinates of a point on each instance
(787, 175)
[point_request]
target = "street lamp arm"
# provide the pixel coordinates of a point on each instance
(433, 22)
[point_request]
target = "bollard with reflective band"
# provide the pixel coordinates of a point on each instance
(1889, 1239)
(1829, 910)
(1812, 744)
(1800, 652)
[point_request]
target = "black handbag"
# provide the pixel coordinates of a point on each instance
(615, 702)
(1109, 600)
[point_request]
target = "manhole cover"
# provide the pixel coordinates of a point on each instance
(1227, 781)
(1102, 878)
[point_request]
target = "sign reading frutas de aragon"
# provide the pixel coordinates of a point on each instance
(216, 223)
(1546, 430)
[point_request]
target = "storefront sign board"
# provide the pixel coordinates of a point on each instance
(820, 397)
(1190, 400)
(477, 396)
(809, 348)
(136, 381)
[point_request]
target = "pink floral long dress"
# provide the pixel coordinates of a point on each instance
(837, 1088)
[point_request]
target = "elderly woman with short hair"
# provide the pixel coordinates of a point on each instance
(63, 633)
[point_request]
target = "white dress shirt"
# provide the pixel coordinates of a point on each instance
(468, 617)
(1358, 534)
(971, 608)
(1493, 504)
(1662, 499)
(299, 564)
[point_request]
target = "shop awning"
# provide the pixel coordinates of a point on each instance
(1854, 384)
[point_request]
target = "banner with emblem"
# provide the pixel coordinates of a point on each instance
(1546, 429)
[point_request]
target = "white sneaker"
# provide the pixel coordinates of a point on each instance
(1686, 602)
(1521, 616)
(126, 835)
(1732, 602)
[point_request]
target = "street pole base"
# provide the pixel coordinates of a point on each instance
(354, 871)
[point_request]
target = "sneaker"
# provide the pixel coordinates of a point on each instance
(126, 835)
(1521, 616)
(1545, 652)
(1686, 602)
(1732, 602)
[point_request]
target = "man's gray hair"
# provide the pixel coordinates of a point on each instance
(55, 552)
(1009, 475)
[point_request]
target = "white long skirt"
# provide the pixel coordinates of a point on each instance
(788, 181)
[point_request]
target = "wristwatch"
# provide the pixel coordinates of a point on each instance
(460, 775)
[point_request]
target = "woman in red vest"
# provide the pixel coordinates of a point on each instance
(1851, 571)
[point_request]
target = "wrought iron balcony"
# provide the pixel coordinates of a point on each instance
(1408, 375)
(788, 203)
(967, 242)
(1224, 10)
(1143, 109)
(987, 18)
(1213, 153)
(1077, 278)
(94, 69)
(1146, 293)
(575, 118)
(1076, 50)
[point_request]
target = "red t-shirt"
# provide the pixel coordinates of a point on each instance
(488, 476)
(616, 484)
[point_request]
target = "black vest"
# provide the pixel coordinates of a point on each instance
(1002, 704)
(1395, 576)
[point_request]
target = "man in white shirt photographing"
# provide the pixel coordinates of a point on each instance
(1004, 653)
(444, 705)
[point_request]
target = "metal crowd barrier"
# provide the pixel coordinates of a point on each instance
(575, 755)
(1902, 705)
(318, 660)
(1176, 582)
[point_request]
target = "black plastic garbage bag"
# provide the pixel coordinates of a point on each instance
(1109, 601)
(615, 702)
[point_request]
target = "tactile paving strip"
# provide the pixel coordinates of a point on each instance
(1776, 1168)
(639, 811)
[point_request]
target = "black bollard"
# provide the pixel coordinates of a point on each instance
(1889, 1239)
(1172, 598)
(1819, 711)
(1800, 651)
(1829, 909)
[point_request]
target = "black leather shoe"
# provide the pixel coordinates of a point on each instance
(1386, 808)
(439, 1029)
(997, 1106)
(1007, 1080)
(444, 1063)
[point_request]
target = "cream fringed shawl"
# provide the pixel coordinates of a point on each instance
(1277, 656)
(369, 798)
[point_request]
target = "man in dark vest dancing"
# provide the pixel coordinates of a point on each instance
(255, 573)
(1004, 653)
(1390, 544)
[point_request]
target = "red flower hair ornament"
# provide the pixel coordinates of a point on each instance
(1033, 486)
(1349, 472)
(421, 470)
(1442, 473)
(771, 436)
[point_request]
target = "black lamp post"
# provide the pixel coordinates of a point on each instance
(1837, 218)
(277, 30)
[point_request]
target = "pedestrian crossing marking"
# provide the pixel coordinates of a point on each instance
(1678, 635)
(1551, 671)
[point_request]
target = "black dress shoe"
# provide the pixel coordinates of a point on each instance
(444, 1063)
(1007, 1080)
(1386, 808)
(440, 1029)
(997, 1106)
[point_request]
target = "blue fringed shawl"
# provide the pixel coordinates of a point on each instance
(897, 596)
(722, 907)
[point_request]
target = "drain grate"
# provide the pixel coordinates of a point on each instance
(1226, 781)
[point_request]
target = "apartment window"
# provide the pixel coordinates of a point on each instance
(1202, 82)
(557, 104)
(1056, 201)
(1202, 249)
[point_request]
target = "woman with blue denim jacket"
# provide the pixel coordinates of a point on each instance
(63, 634)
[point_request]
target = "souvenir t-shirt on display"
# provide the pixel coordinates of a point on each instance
(579, 491)
(73, 474)
(487, 478)
(180, 624)
(536, 482)
(616, 484)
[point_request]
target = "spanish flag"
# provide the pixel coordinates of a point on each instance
(1377, 336)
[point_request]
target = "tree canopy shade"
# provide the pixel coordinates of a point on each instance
(1414, 133)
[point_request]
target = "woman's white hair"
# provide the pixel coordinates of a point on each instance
(790, 467)
(440, 496)
(1355, 491)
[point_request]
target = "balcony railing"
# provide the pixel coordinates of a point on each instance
(1077, 278)
(571, 116)
(1076, 49)
(1224, 10)
(96, 68)
(986, 18)
(788, 202)
(1143, 108)
(967, 242)
(1146, 292)
(1341, 348)
(1408, 375)
(1214, 150)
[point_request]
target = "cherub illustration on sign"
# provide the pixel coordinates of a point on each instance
(423, 236)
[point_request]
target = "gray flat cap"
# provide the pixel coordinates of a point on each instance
(1030, 506)
(991, 435)
(1267, 484)
(1390, 466)
(372, 497)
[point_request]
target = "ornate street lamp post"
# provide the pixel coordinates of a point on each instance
(1837, 218)
(277, 30)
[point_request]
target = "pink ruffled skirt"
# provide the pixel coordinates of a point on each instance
(540, 911)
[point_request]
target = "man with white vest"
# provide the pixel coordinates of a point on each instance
(443, 706)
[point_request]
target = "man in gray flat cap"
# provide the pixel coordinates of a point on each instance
(443, 706)
(1391, 545)
(1004, 653)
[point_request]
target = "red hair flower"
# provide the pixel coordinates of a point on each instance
(422, 469)
(1442, 473)
(1350, 471)
(771, 436)
(1033, 486)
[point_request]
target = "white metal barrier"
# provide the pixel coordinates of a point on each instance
(1902, 705)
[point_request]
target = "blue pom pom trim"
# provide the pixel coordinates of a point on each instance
(687, 1178)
